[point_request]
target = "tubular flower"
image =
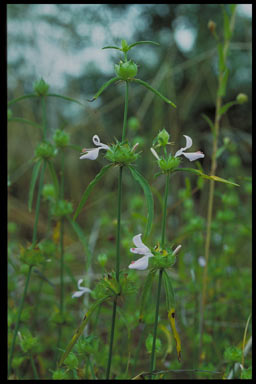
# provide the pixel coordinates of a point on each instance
(81, 290)
(140, 249)
(192, 156)
(93, 153)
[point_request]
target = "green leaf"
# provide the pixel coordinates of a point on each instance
(64, 98)
(141, 82)
(201, 174)
(148, 195)
(147, 285)
(226, 107)
(81, 236)
(223, 84)
(169, 292)
(112, 47)
(34, 176)
(222, 64)
(22, 98)
(104, 86)
(143, 42)
(54, 177)
(90, 188)
(81, 327)
(227, 30)
(209, 121)
(25, 121)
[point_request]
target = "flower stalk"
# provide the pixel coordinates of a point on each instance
(118, 232)
(152, 363)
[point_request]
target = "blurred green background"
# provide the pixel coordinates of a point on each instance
(62, 43)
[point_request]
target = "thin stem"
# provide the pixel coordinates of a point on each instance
(61, 258)
(152, 364)
(212, 185)
(44, 116)
(34, 368)
(125, 111)
(41, 182)
(111, 339)
(165, 209)
(119, 203)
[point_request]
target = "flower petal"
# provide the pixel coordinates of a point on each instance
(140, 264)
(96, 141)
(78, 294)
(138, 242)
(192, 156)
(155, 153)
(91, 154)
(188, 145)
(176, 250)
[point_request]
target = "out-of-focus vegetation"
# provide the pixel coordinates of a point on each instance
(62, 43)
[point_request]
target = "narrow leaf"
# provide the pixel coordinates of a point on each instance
(112, 47)
(104, 86)
(64, 98)
(209, 121)
(24, 121)
(169, 292)
(171, 316)
(81, 327)
(146, 288)
(148, 195)
(227, 30)
(81, 236)
(226, 107)
(223, 85)
(90, 188)
(143, 42)
(22, 98)
(154, 91)
(222, 65)
(54, 177)
(34, 176)
(201, 174)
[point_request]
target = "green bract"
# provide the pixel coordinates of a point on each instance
(162, 138)
(31, 256)
(45, 150)
(126, 70)
(163, 258)
(61, 138)
(121, 154)
(61, 208)
(169, 164)
(41, 87)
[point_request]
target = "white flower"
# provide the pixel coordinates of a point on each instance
(93, 153)
(81, 290)
(189, 155)
(202, 261)
(140, 249)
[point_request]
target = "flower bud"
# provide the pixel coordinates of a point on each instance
(41, 87)
(163, 138)
(125, 46)
(49, 192)
(126, 70)
(62, 208)
(211, 26)
(102, 259)
(242, 98)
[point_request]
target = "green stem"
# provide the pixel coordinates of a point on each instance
(61, 258)
(165, 209)
(44, 116)
(41, 183)
(152, 364)
(34, 368)
(119, 202)
(125, 111)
